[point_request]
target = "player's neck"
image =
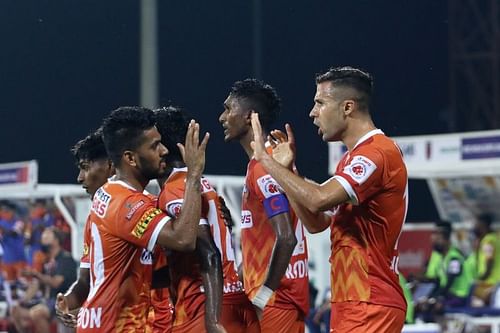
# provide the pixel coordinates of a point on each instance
(356, 131)
(136, 181)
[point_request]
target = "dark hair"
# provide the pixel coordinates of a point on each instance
(260, 97)
(90, 148)
(172, 123)
(445, 228)
(122, 130)
(351, 77)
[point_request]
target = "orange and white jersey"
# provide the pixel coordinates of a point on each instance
(365, 231)
(258, 239)
(186, 279)
(121, 233)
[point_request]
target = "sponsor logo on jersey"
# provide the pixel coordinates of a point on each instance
(360, 169)
(174, 207)
(89, 317)
(133, 208)
(297, 270)
(146, 218)
(101, 202)
(85, 249)
(146, 257)
(268, 186)
(246, 219)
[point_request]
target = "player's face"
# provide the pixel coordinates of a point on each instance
(151, 155)
(235, 119)
(93, 174)
(327, 113)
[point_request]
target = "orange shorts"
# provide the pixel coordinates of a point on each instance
(12, 272)
(277, 320)
(236, 318)
(240, 318)
(161, 312)
(39, 259)
(348, 317)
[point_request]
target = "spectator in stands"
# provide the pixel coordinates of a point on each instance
(13, 260)
(59, 271)
(488, 260)
(40, 219)
(318, 319)
(454, 285)
(410, 306)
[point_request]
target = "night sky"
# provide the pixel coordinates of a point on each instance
(66, 64)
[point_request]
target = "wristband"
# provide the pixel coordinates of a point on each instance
(262, 297)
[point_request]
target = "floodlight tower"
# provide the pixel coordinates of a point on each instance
(474, 53)
(149, 54)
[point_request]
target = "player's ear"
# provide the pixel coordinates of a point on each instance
(111, 167)
(129, 158)
(349, 106)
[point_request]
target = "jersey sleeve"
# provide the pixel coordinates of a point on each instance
(85, 258)
(173, 199)
(140, 221)
(362, 176)
(269, 192)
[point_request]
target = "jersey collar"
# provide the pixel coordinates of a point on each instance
(367, 136)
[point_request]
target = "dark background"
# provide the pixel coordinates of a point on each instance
(66, 64)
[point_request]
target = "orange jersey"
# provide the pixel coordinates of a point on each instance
(258, 239)
(186, 278)
(120, 235)
(365, 231)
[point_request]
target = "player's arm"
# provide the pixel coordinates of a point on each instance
(181, 235)
(314, 222)
(277, 210)
(311, 196)
(68, 303)
(79, 290)
(211, 273)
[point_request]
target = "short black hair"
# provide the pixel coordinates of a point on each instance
(444, 227)
(261, 98)
(122, 130)
(172, 123)
(351, 77)
(90, 148)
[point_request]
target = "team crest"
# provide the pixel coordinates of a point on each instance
(360, 169)
(268, 186)
(174, 207)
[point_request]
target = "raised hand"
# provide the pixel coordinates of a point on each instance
(283, 146)
(258, 146)
(192, 151)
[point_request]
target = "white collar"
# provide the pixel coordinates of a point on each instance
(112, 180)
(367, 136)
(175, 170)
